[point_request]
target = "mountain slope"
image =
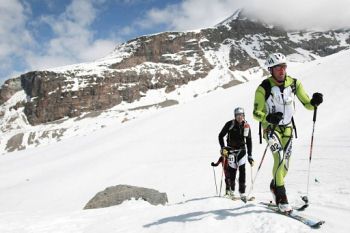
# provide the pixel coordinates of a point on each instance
(44, 189)
(148, 72)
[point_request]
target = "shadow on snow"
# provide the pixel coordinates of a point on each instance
(199, 215)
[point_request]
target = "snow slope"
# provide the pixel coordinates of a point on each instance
(44, 189)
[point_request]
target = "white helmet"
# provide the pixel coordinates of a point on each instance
(275, 59)
(239, 110)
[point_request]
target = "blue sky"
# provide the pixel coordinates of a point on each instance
(39, 34)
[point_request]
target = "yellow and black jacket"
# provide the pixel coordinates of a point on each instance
(270, 98)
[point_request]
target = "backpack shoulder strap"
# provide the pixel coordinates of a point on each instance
(294, 85)
(294, 90)
(232, 124)
(294, 127)
(267, 87)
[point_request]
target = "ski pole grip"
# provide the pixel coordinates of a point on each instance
(315, 114)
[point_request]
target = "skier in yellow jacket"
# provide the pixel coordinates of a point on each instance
(274, 107)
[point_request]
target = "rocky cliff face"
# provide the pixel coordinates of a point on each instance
(50, 100)
(9, 88)
(165, 61)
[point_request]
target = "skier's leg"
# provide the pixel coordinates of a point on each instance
(278, 171)
(273, 190)
(281, 164)
(281, 195)
(241, 180)
(287, 148)
(227, 182)
(278, 158)
(233, 172)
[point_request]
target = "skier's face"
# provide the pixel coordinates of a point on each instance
(239, 117)
(279, 72)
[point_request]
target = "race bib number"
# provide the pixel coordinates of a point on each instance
(274, 144)
(231, 160)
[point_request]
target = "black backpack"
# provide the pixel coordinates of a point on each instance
(267, 87)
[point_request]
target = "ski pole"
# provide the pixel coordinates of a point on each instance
(305, 198)
(251, 175)
(222, 174)
(216, 187)
(262, 159)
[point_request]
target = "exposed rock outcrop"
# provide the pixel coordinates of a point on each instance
(10, 87)
(117, 194)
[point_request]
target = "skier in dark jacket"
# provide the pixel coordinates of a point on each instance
(233, 155)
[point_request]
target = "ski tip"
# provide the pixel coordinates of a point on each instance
(302, 208)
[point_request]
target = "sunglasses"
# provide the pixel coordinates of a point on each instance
(280, 67)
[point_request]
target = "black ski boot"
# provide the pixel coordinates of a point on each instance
(281, 199)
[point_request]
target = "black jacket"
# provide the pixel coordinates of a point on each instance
(235, 136)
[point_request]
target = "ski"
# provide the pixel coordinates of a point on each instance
(298, 208)
(239, 198)
(306, 220)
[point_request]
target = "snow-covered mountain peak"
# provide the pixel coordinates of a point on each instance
(238, 14)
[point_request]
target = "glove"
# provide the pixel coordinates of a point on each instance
(317, 99)
(212, 164)
(251, 161)
(274, 118)
(224, 152)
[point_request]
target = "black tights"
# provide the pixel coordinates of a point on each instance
(230, 178)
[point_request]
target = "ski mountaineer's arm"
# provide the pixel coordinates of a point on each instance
(249, 148)
(303, 96)
(248, 140)
(217, 163)
(219, 160)
(223, 133)
(259, 105)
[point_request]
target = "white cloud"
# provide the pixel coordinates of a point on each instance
(14, 37)
(98, 49)
(80, 12)
(301, 14)
(127, 30)
(191, 14)
(46, 61)
(74, 39)
(297, 14)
